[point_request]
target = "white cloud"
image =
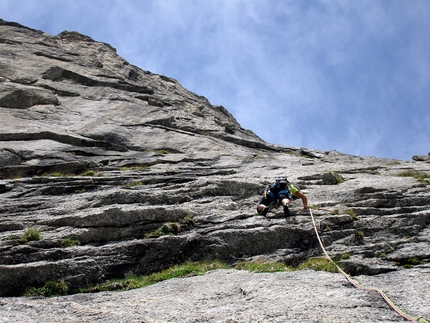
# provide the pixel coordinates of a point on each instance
(346, 75)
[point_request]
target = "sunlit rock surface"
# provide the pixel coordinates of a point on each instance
(96, 151)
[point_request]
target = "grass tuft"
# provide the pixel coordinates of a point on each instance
(351, 213)
(318, 264)
(50, 289)
(134, 183)
(409, 263)
(91, 172)
(31, 234)
(360, 235)
(70, 242)
(172, 228)
(262, 267)
(345, 256)
(420, 176)
(187, 269)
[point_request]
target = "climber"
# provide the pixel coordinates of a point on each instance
(281, 191)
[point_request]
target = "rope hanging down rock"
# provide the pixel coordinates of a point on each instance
(357, 285)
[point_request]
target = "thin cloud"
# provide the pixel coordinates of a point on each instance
(353, 76)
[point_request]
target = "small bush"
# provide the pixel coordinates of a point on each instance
(31, 234)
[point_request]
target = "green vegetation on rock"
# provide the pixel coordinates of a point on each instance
(31, 234)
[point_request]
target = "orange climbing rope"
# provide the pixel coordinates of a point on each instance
(357, 285)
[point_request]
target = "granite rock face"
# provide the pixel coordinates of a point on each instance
(236, 296)
(101, 157)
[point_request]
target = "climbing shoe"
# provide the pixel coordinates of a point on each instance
(265, 210)
(286, 211)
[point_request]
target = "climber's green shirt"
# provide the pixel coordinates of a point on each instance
(292, 189)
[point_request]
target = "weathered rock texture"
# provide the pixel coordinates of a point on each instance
(133, 151)
(236, 296)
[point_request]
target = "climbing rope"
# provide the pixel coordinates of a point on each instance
(357, 285)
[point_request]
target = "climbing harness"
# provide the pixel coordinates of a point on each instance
(357, 285)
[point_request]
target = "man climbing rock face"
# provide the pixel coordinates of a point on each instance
(282, 192)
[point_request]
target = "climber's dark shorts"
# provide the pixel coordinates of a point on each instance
(269, 199)
(281, 197)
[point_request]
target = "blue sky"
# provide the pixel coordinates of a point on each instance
(345, 75)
